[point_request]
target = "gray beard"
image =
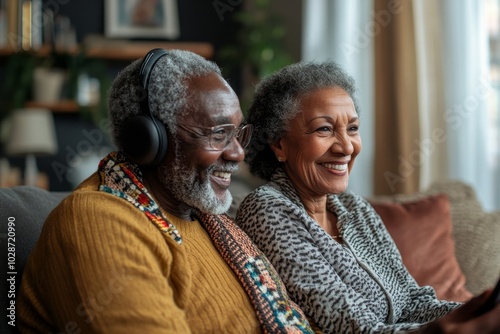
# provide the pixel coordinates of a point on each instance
(186, 188)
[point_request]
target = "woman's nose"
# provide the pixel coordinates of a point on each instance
(343, 144)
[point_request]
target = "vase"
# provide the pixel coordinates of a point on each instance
(48, 84)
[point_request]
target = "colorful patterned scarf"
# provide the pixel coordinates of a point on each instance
(275, 311)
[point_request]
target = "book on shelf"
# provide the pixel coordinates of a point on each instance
(37, 24)
(3, 23)
(12, 15)
(21, 26)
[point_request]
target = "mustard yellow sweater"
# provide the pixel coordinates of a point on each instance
(101, 266)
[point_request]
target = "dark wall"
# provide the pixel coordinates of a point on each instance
(87, 17)
(199, 20)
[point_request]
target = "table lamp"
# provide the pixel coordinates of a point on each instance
(31, 133)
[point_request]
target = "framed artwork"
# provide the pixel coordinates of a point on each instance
(141, 19)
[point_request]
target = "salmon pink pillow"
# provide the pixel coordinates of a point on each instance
(422, 230)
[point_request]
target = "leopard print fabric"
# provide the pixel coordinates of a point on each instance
(361, 286)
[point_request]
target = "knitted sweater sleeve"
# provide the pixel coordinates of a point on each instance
(99, 267)
(277, 227)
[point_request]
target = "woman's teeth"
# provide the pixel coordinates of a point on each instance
(341, 167)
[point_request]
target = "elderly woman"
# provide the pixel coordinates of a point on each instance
(329, 246)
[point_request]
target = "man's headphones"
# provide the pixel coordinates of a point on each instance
(143, 137)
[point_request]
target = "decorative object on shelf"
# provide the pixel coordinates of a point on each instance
(31, 133)
(142, 18)
(88, 93)
(19, 84)
(88, 82)
(21, 71)
(53, 72)
(48, 84)
(64, 34)
(9, 176)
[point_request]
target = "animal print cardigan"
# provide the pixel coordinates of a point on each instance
(361, 286)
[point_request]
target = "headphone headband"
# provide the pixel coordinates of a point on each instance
(147, 66)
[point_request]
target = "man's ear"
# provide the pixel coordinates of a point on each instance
(278, 148)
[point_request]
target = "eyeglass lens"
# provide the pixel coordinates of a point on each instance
(221, 136)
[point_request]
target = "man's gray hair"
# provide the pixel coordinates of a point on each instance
(276, 102)
(168, 89)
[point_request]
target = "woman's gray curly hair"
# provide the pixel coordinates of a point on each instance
(276, 102)
(168, 89)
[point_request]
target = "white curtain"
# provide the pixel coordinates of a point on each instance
(467, 89)
(342, 31)
(454, 93)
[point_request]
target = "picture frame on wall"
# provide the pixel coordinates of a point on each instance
(142, 19)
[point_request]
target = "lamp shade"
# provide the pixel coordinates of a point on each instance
(31, 131)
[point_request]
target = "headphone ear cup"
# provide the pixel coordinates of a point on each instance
(144, 140)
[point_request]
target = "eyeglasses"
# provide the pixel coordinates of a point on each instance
(220, 136)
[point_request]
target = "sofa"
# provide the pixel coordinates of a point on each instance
(445, 237)
(23, 210)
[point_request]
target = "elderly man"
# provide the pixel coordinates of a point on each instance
(142, 245)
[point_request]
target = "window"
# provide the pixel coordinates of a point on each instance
(493, 18)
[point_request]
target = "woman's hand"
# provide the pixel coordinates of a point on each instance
(465, 319)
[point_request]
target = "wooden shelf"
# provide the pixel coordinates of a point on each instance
(122, 50)
(98, 47)
(135, 50)
(44, 50)
(64, 106)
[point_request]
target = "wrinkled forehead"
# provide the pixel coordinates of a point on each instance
(212, 101)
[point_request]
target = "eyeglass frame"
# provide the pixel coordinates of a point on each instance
(236, 131)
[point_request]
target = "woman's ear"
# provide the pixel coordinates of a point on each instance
(278, 148)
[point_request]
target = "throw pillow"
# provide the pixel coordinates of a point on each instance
(422, 231)
(476, 232)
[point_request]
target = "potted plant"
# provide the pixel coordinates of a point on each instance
(258, 50)
(34, 76)
(51, 77)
